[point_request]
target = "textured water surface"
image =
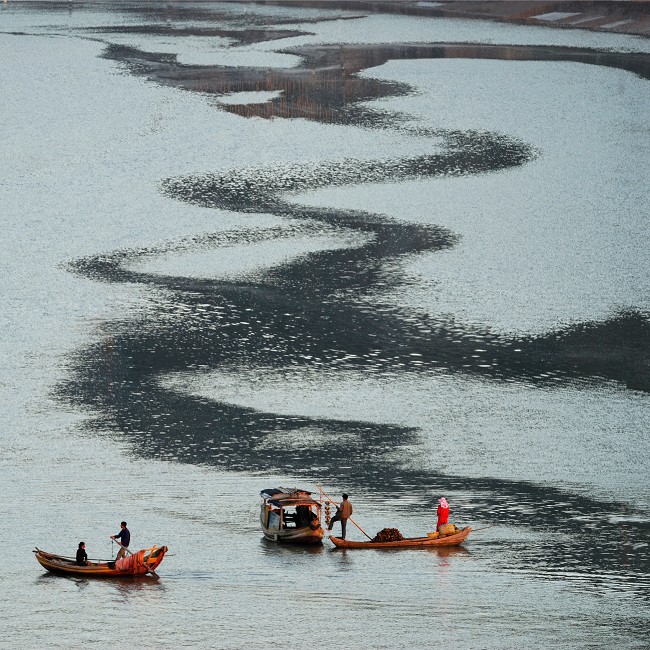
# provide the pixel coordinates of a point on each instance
(249, 246)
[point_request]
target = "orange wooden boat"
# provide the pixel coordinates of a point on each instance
(138, 564)
(409, 542)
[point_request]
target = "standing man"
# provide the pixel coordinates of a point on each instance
(124, 536)
(343, 513)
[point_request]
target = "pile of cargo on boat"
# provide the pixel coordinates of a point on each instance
(388, 535)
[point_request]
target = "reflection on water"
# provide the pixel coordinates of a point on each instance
(442, 553)
(326, 87)
(121, 587)
(284, 552)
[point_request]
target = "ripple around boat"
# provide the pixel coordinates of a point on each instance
(408, 542)
(291, 515)
(138, 564)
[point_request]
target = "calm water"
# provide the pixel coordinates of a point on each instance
(402, 257)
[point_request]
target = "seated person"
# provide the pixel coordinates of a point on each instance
(314, 524)
(82, 558)
(302, 515)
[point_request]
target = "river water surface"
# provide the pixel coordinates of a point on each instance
(248, 246)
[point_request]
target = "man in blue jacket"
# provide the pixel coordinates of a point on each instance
(124, 537)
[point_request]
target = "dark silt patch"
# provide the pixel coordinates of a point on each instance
(235, 36)
(326, 87)
(318, 312)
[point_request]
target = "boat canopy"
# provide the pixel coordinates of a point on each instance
(282, 497)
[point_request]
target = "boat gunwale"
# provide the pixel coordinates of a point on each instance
(53, 556)
(302, 535)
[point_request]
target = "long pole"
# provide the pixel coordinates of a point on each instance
(350, 518)
(144, 563)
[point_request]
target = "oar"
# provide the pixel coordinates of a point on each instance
(350, 518)
(126, 548)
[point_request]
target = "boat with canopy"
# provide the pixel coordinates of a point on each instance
(291, 515)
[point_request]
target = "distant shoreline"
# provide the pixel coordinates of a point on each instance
(630, 17)
(607, 16)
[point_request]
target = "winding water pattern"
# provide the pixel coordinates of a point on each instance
(317, 312)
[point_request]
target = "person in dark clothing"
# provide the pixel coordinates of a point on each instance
(302, 516)
(343, 513)
(124, 537)
(82, 558)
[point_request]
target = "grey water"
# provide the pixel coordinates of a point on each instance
(250, 245)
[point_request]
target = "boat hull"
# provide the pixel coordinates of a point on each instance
(305, 535)
(95, 568)
(412, 542)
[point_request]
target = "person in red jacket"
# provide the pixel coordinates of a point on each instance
(443, 512)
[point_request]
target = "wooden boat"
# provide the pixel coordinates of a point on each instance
(291, 515)
(409, 542)
(137, 564)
